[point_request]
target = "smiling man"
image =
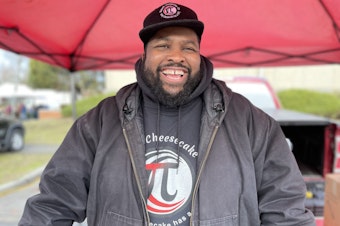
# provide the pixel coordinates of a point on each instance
(172, 63)
(177, 148)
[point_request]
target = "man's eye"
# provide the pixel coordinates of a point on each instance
(163, 46)
(190, 49)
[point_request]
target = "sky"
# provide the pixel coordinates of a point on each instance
(3, 60)
(10, 61)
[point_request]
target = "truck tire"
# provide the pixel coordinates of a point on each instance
(16, 141)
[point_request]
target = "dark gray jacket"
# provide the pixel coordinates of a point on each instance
(246, 173)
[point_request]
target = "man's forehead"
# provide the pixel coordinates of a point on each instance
(184, 32)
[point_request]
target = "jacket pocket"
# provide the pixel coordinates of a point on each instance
(114, 219)
(224, 221)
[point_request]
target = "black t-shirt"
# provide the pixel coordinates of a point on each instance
(171, 154)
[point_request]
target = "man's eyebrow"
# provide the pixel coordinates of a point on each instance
(190, 42)
(161, 38)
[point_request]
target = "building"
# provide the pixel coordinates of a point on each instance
(325, 78)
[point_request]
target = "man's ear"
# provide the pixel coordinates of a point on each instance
(143, 57)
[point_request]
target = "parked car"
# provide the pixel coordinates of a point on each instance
(314, 140)
(12, 134)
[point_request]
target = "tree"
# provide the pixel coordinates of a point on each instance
(90, 82)
(42, 75)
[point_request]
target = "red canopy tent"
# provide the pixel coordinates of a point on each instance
(103, 34)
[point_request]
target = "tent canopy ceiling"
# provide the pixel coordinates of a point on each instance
(103, 34)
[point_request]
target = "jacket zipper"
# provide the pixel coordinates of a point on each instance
(200, 173)
(146, 214)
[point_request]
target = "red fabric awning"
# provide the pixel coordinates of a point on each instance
(103, 34)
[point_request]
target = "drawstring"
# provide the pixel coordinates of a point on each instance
(178, 134)
(157, 129)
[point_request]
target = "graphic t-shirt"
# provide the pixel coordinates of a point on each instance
(171, 154)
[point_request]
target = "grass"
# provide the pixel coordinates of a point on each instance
(324, 104)
(47, 131)
(14, 165)
(82, 106)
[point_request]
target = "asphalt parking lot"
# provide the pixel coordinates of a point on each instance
(13, 198)
(12, 203)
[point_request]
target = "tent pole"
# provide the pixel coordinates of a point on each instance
(73, 96)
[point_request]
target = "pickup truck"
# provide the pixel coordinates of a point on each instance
(315, 140)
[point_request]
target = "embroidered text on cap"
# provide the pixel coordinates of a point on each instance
(170, 10)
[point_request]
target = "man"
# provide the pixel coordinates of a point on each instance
(176, 148)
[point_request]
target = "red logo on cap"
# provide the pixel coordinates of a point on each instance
(169, 10)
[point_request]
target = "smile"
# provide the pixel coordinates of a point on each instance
(174, 73)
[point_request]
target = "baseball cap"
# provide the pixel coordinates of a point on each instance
(170, 14)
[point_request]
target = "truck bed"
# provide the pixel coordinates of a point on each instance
(307, 134)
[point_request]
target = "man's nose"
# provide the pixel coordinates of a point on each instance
(176, 55)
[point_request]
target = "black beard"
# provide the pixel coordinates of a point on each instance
(154, 83)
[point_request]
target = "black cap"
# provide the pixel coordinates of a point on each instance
(170, 14)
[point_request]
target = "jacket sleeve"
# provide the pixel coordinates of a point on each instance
(281, 188)
(65, 181)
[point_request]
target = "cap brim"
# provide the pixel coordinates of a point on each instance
(148, 32)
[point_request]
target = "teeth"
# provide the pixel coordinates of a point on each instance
(173, 72)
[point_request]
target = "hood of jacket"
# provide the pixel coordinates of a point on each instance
(216, 99)
(206, 70)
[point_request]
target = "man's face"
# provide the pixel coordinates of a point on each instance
(172, 64)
